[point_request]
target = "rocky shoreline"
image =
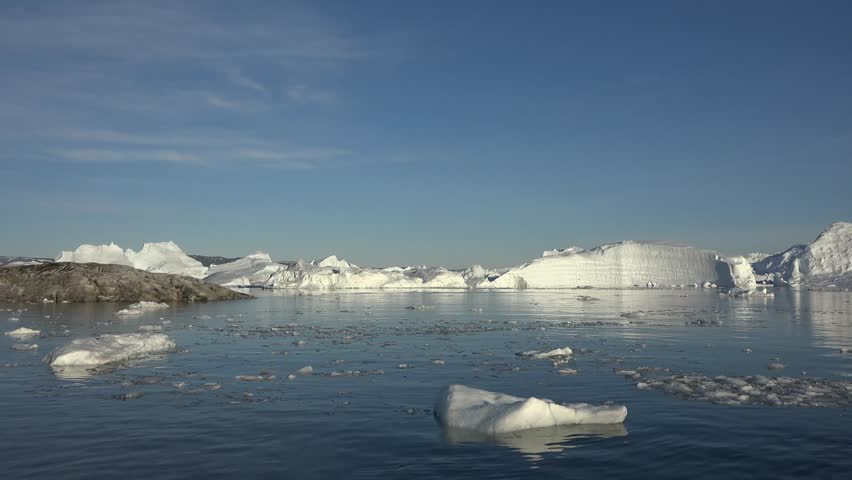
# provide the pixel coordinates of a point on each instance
(92, 282)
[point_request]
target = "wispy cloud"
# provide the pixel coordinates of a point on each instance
(168, 82)
(237, 77)
(302, 94)
(213, 149)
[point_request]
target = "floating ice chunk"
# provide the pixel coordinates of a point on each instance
(491, 413)
(150, 328)
(142, 307)
(309, 370)
(557, 353)
(109, 349)
(24, 346)
(23, 332)
(755, 390)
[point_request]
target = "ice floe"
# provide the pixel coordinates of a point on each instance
(141, 307)
(105, 349)
(471, 409)
(23, 332)
(557, 353)
(754, 389)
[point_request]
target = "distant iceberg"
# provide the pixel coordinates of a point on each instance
(825, 262)
(627, 264)
(161, 257)
(471, 409)
(622, 265)
(254, 270)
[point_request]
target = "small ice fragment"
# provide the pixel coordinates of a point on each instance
(141, 307)
(775, 366)
(438, 362)
(309, 370)
(23, 332)
(24, 346)
(128, 396)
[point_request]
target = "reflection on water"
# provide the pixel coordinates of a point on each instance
(378, 422)
(533, 443)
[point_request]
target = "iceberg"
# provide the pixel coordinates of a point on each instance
(624, 265)
(107, 349)
(825, 262)
(109, 254)
(254, 270)
(490, 413)
(141, 307)
(161, 257)
(23, 332)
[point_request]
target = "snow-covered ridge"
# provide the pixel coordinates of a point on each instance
(161, 257)
(825, 262)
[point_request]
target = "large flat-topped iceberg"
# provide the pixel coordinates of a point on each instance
(624, 265)
(465, 408)
(825, 262)
(161, 257)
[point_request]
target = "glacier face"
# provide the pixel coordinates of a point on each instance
(160, 257)
(624, 265)
(827, 261)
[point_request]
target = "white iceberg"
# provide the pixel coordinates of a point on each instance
(557, 353)
(825, 262)
(624, 265)
(107, 349)
(161, 257)
(23, 332)
(141, 307)
(461, 407)
(253, 270)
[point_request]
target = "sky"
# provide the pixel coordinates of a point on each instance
(441, 133)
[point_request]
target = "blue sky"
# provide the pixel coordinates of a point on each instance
(445, 133)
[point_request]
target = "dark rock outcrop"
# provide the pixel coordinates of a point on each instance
(93, 282)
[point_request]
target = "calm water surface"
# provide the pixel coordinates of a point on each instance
(379, 422)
